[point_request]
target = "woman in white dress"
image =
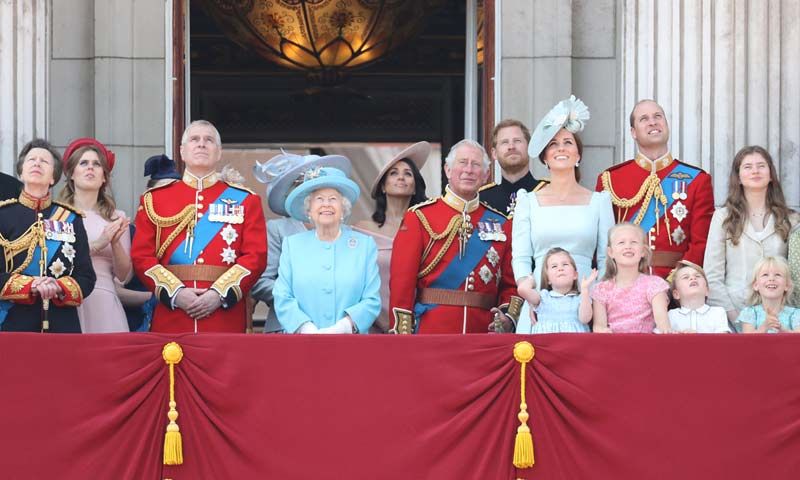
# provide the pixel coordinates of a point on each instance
(563, 213)
(87, 167)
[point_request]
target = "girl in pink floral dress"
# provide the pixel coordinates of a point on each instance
(629, 299)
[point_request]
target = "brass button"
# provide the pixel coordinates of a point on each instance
(200, 198)
(199, 214)
(200, 206)
(200, 260)
(470, 287)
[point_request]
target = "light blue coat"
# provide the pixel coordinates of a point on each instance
(321, 282)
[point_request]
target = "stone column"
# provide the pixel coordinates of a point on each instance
(727, 74)
(24, 42)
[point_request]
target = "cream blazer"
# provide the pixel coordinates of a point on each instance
(729, 267)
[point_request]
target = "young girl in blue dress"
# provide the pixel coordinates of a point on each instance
(768, 312)
(559, 307)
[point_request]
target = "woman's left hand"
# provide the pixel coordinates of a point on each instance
(124, 222)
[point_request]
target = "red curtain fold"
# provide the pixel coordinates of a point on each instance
(387, 407)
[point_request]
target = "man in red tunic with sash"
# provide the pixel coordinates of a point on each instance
(200, 243)
(671, 200)
(451, 259)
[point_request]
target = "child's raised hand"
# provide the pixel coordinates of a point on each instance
(772, 322)
(586, 282)
(526, 290)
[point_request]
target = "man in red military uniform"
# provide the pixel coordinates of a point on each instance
(451, 260)
(200, 243)
(671, 200)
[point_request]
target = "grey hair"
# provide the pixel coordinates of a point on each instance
(347, 206)
(451, 156)
(201, 123)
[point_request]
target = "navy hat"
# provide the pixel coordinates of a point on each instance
(159, 167)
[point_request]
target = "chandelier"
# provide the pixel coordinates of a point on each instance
(325, 38)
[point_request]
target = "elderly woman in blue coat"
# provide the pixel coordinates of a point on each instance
(328, 279)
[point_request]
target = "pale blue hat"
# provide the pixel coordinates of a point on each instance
(321, 177)
(281, 171)
(571, 114)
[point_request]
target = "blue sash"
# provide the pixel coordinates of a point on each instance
(688, 174)
(33, 268)
(204, 232)
(459, 268)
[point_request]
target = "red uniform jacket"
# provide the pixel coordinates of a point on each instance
(230, 263)
(689, 215)
(491, 275)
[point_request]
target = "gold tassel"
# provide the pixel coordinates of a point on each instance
(173, 444)
(523, 444)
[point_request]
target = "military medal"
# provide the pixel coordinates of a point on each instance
(499, 235)
(683, 195)
(485, 274)
(228, 255)
(675, 190)
(57, 268)
(678, 235)
(229, 234)
(226, 212)
(492, 256)
(59, 231)
(679, 211)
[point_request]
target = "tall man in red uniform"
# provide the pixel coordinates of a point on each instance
(200, 243)
(451, 260)
(671, 200)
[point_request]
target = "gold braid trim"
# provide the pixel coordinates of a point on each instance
(450, 232)
(651, 187)
(185, 218)
(32, 237)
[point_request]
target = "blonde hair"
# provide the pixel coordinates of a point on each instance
(681, 264)
(611, 264)
(779, 263)
(546, 281)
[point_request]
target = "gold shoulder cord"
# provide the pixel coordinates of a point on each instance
(32, 237)
(651, 187)
(186, 218)
(450, 232)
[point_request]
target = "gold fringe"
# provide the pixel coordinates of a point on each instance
(523, 443)
(173, 443)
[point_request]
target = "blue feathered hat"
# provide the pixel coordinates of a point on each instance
(571, 114)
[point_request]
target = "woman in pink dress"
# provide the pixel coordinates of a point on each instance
(87, 167)
(398, 186)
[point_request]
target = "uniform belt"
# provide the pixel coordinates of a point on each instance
(666, 259)
(197, 273)
(442, 296)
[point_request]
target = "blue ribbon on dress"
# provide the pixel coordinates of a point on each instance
(33, 268)
(687, 173)
(204, 231)
(459, 267)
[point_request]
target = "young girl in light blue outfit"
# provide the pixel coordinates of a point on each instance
(558, 307)
(768, 312)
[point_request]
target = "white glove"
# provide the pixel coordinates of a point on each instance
(308, 327)
(343, 326)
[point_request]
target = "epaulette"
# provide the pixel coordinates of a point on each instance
(543, 182)
(429, 201)
(162, 185)
(239, 186)
(695, 167)
(10, 201)
(487, 186)
(489, 207)
(619, 165)
(68, 207)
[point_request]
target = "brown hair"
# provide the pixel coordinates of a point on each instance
(44, 144)
(510, 122)
(766, 262)
(578, 144)
(736, 203)
(631, 119)
(105, 201)
(611, 264)
(546, 281)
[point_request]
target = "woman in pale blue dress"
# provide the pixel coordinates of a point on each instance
(563, 213)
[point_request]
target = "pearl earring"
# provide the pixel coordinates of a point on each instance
(577, 163)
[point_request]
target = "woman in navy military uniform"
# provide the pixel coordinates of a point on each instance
(46, 267)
